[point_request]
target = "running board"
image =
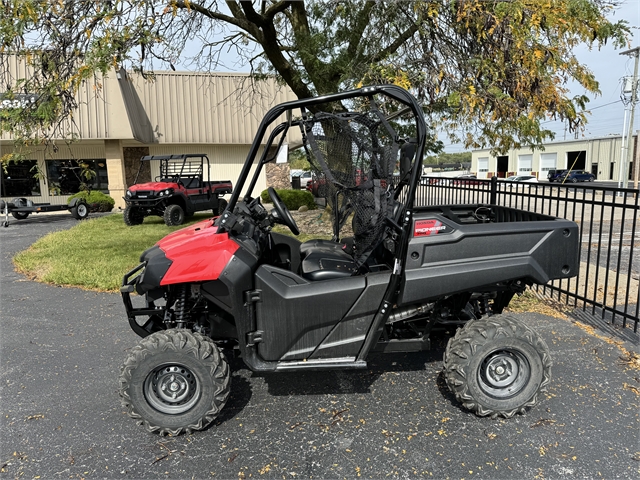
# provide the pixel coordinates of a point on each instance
(323, 364)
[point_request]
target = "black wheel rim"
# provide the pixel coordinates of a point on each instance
(172, 389)
(504, 373)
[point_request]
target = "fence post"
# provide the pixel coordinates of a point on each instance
(493, 198)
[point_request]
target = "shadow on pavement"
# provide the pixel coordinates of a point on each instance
(605, 325)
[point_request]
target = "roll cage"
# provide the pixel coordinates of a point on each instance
(401, 104)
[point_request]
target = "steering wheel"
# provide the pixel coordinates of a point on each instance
(283, 215)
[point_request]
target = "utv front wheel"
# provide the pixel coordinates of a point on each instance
(132, 216)
(497, 366)
(174, 382)
(173, 215)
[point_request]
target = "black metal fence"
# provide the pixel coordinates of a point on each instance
(609, 278)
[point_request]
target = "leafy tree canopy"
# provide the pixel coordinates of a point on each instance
(298, 160)
(493, 70)
(460, 157)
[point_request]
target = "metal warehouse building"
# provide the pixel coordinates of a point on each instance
(130, 116)
(600, 156)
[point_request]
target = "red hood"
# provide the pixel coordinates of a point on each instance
(198, 253)
(186, 234)
(154, 186)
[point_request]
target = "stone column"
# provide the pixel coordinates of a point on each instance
(278, 176)
(115, 171)
(132, 162)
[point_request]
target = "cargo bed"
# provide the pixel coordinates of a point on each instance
(457, 248)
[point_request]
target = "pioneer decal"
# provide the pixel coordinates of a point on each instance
(431, 226)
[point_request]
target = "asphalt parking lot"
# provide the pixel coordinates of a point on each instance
(61, 350)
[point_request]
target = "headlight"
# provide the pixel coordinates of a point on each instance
(128, 194)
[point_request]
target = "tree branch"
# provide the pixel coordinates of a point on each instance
(391, 49)
(209, 13)
(361, 23)
(276, 8)
(251, 15)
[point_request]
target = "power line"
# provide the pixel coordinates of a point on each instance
(588, 110)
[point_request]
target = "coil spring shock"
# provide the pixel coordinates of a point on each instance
(485, 309)
(180, 308)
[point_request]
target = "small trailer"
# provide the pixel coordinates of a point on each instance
(21, 208)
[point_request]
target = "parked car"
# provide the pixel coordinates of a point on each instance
(522, 178)
(426, 180)
(305, 178)
(576, 176)
(552, 175)
(466, 179)
(318, 187)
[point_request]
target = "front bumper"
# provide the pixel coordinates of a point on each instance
(149, 203)
(130, 283)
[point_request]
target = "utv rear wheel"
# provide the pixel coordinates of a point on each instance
(174, 382)
(497, 366)
(173, 215)
(132, 216)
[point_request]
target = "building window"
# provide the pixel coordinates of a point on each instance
(524, 164)
(67, 177)
(548, 161)
(19, 179)
(483, 164)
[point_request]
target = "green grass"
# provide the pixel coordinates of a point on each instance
(95, 254)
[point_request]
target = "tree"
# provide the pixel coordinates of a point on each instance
(298, 160)
(460, 157)
(493, 70)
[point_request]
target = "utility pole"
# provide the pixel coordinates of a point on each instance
(636, 162)
(624, 162)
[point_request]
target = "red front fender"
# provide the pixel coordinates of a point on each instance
(198, 253)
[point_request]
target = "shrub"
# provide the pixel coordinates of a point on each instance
(97, 201)
(293, 199)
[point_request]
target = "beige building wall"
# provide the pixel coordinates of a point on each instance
(221, 109)
(215, 114)
(101, 112)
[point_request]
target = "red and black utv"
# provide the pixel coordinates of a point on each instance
(282, 305)
(182, 188)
